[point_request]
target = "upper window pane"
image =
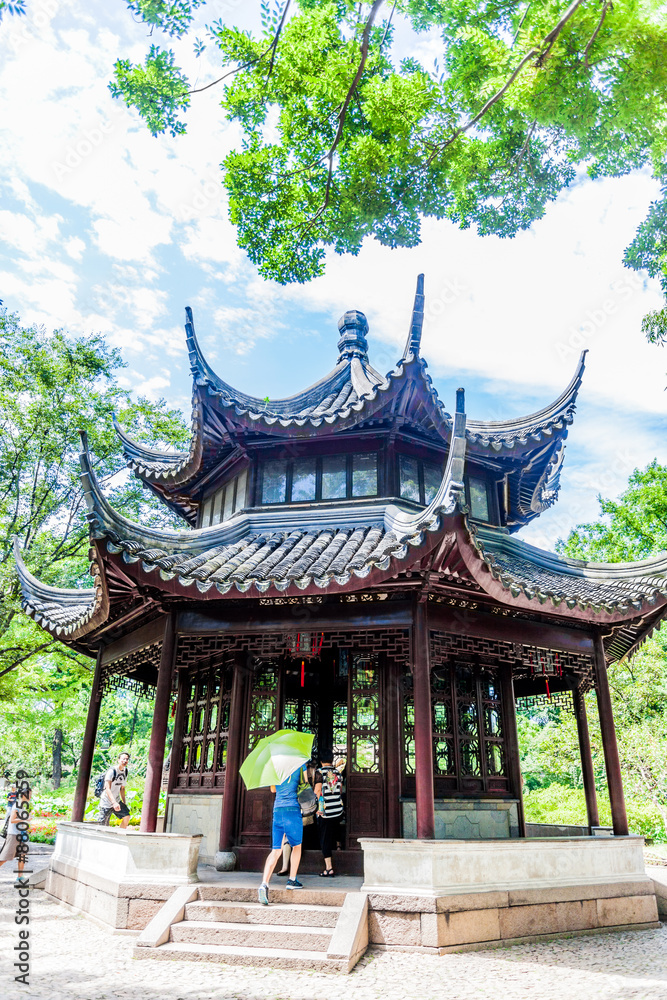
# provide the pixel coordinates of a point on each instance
(241, 487)
(217, 507)
(334, 477)
(432, 480)
(206, 513)
(479, 500)
(303, 479)
(228, 509)
(274, 482)
(365, 475)
(409, 468)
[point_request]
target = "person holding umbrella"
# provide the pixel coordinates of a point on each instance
(278, 761)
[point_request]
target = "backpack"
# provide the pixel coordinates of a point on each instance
(99, 784)
(306, 797)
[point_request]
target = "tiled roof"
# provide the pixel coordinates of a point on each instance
(546, 424)
(65, 612)
(253, 551)
(544, 577)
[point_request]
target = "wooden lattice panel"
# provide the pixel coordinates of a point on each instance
(193, 649)
(122, 673)
(525, 660)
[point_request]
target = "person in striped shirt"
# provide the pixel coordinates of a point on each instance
(329, 788)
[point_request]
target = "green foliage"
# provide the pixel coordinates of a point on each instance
(12, 7)
(635, 525)
(173, 19)
(158, 90)
(558, 804)
(51, 386)
(345, 139)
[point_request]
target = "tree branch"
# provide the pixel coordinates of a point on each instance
(251, 62)
(591, 41)
(342, 114)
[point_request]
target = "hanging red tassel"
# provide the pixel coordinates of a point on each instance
(546, 680)
(303, 673)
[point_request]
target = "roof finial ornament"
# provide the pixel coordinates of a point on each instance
(417, 321)
(353, 327)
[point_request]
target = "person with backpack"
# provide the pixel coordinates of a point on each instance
(287, 823)
(112, 794)
(329, 789)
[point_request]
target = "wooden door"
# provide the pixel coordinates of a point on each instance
(365, 778)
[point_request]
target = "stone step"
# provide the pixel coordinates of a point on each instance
(241, 894)
(229, 911)
(277, 958)
(236, 935)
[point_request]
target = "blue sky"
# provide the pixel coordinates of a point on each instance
(103, 228)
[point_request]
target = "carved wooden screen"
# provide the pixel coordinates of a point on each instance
(203, 740)
(257, 805)
(365, 762)
(469, 754)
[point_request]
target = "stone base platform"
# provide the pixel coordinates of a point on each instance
(448, 895)
(121, 878)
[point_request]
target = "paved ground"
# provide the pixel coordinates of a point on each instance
(74, 959)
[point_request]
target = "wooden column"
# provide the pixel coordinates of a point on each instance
(392, 729)
(88, 748)
(587, 772)
(609, 745)
(421, 670)
(512, 745)
(176, 744)
(159, 728)
(235, 748)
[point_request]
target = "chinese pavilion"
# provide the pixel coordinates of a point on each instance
(349, 567)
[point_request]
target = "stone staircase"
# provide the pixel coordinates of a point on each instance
(227, 924)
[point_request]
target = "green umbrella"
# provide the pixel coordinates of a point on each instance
(276, 757)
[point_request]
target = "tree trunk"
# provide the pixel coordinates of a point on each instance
(57, 746)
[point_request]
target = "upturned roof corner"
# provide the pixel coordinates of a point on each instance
(413, 343)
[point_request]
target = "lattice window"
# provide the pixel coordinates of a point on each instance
(365, 714)
(204, 737)
(442, 721)
(263, 703)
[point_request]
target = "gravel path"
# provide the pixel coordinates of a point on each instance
(75, 959)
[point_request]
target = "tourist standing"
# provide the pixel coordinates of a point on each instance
(112, 799)
(329, 790)
(287, 822)
(17, 830)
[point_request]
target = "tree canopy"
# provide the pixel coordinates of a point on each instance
(348, 135)
(51, 387)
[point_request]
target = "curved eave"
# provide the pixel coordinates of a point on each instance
(165, 468)
(292, 550)
(525, 432)
(65, 613)
(524, 576)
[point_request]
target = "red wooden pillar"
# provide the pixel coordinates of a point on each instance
(235, 748)
(159, 728)
(512, 744)
(392, 729)
(587, 772)
(609, 745)
(88, 748)
(421, 676)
